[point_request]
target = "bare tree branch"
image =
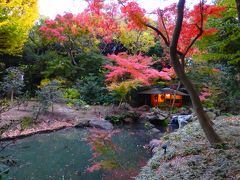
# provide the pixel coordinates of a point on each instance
(160, 13)
(159, 33)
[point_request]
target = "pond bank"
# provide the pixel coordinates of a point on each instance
(11, 122)
(190, 156)
(19, 123)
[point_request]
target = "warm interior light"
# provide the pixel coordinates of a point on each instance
(167, 96)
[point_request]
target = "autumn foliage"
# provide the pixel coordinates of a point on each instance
(106, 22)
(62, 27)
(135, 67)
(192, 22)
(98, 20)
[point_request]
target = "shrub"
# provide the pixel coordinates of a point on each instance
(93, 91)
(71, 96)
(26, 122)
(47, 96)
(119, 118)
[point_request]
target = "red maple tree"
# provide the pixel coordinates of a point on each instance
(193, 23)
(136, 67)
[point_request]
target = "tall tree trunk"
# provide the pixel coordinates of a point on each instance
(211, 135)
(238, 10)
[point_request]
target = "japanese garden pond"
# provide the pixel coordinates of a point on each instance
(67, 154)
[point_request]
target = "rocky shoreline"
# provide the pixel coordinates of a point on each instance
(12, 127)
(11, 123)
(55, 126)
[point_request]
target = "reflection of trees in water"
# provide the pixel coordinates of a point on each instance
(5, 161)
(108, 156)
(104, 150)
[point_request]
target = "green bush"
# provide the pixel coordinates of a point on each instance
(26, 122)
(47, 96)
(93, 90)
(119, 118)
(71, 96)
(115, 119)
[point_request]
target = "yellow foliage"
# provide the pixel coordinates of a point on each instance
(129, 84)
(17, 18)
(136, 41)
(44, 83)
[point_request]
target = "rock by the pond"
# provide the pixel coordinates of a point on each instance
(154, 144)
(143, 108)
(155, 130)
(162, 117)
(128, 120)
(181, 120)
(82, 123)
(211, 115)
(148, 125)
(101, 124)
(153, 117)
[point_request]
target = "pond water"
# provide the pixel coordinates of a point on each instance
(66, 155)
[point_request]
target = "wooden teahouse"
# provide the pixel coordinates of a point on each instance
(165, 96)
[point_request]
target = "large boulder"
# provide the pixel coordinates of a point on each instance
(211, 115)
(80, 123)
(101, 124)
(148, 125)
(154, 130)
(143, 108)
(128, 120)
(181, 120)
(153, 117)
(154, 144)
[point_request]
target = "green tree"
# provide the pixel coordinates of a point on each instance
(48, 95)
(223, 45)
(12, 82)
(93, 90)
(222, 50)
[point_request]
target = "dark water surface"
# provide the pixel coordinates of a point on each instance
(65, 155)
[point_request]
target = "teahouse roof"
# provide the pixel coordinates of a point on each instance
(173, 91)
(163, 91)
(152, 91)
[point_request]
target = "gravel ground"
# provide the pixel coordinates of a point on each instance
(190, 156)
